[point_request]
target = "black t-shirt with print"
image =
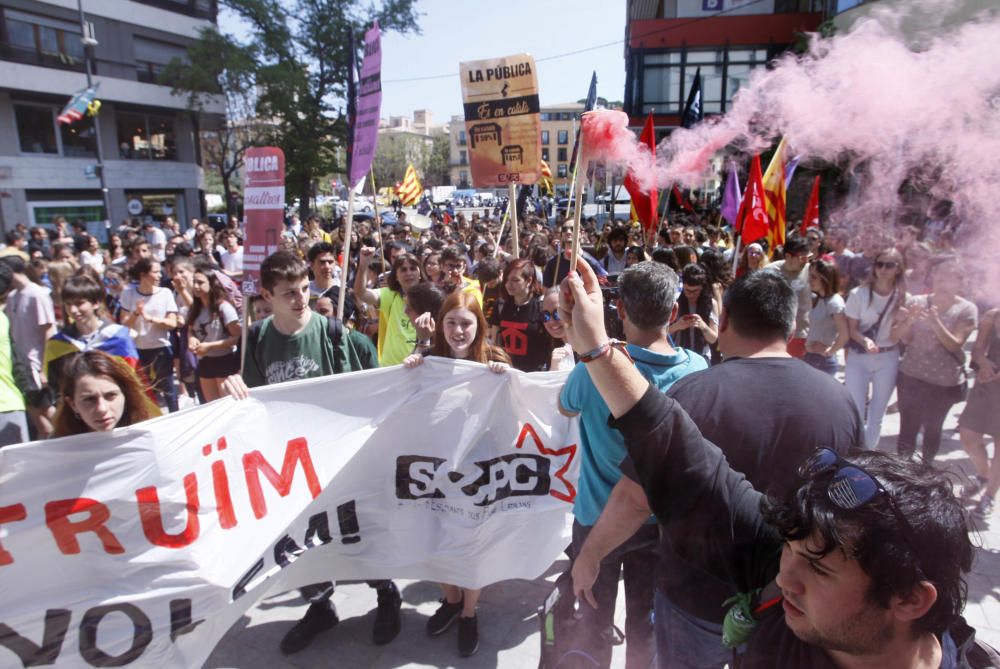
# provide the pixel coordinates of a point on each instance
(523, 334)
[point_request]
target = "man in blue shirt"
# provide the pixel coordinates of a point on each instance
(646, 306)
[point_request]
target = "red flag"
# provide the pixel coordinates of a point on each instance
(811, 218)
(752, 222)
(644, 204)
(682, 202)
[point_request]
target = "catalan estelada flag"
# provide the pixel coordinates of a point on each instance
(83, 102)
(110, 338)
(410, 191)
(774, 196)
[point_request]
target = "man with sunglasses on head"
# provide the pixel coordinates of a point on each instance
(861, 566)
(646, 306)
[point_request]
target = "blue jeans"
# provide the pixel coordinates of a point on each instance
(686, 642)
(823, 363)
(636, 561)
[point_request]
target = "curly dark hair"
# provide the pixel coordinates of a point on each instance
(936, 547)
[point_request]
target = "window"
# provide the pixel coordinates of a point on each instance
(146, 136)
(666, 78)
(545, 153)
(152, 56)
(544, 116)
(463, 179)
(561, 170)
(463, 158)
(561, 155)
(41, 40)
(38, 132)
(563, 137)
(461, 138)
(545, 136)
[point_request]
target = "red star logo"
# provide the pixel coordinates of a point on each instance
(568, 451)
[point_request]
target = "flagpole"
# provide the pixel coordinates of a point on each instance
(503, 224)
(512, 210)
(378, 222)
(578, 210)
(345, 259)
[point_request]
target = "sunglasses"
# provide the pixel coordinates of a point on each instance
(886, 264)
(851, 487)
(550, 316)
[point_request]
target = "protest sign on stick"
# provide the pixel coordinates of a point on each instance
(264, 211)
(367, 108)
(502, 120)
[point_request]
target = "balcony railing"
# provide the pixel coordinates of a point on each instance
(201, 9)
(61, 61)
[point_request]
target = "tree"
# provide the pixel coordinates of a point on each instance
(301, 67)
(436, 161)
(395, 151)
(216, 66)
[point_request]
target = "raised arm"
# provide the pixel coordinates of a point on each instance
(361, 291)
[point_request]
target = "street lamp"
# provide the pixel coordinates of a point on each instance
(89, 42)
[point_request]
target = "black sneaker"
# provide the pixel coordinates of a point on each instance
(443, 617)
(319, 618)
(468, 636)
(387, 621)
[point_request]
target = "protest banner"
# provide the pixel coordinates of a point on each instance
(264, 208)
(502, 122)
(143, 546)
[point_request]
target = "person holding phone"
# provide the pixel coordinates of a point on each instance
(697, 325)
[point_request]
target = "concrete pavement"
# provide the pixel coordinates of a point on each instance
(508, 626)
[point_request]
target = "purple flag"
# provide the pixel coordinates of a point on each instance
(790, 170)
(731, 197)
(368, 108)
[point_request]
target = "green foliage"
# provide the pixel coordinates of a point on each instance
(294, 67)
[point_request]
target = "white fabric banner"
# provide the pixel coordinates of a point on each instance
(142, 547)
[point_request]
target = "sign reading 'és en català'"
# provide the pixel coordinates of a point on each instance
(502, 123)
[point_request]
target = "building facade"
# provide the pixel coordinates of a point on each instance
(558, 136)
(669, 41)
(149, 138)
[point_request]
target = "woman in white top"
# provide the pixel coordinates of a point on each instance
(873, 348)
(151, 311)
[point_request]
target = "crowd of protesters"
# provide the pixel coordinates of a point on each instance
(97, 336)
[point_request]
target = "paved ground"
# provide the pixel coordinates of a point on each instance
(508, 625)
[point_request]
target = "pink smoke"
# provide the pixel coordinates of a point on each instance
(894, 109)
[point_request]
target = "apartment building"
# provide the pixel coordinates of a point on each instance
(152, 162)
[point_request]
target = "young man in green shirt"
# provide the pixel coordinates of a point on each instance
(298, 343)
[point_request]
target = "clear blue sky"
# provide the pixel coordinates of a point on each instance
(453, 31)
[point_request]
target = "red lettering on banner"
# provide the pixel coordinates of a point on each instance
(254, 463)
(10, 514)
(64, 530)
(223, 500)
(515, 342)
(152, 517)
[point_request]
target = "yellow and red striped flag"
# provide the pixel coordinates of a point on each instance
(410, 191)
(545, 182)
(774, 196)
